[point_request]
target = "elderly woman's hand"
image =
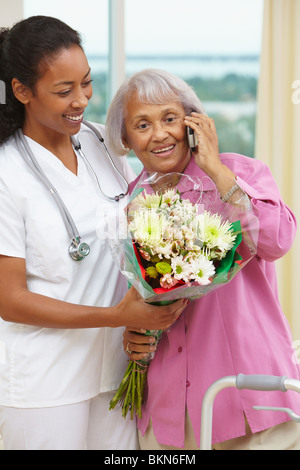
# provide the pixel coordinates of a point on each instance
(137, 345)
(207, 154)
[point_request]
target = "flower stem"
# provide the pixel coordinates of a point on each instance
(133, 385)
(122, 387)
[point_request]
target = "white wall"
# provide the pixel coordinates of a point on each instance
(11, 11)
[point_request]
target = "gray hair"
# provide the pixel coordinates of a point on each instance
(154, 87)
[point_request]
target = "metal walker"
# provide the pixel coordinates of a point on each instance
(241, 381)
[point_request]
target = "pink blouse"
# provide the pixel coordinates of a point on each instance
(239, 328)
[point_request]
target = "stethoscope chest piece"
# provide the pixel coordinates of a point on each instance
(78, 251)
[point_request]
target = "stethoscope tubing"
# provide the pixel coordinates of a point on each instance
(29, 157)
(35, 167)
(77, 145)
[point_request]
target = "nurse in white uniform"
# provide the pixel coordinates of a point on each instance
(61, 355)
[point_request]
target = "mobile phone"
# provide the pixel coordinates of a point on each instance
(192, 139)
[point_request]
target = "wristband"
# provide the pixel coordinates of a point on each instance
(231, 191)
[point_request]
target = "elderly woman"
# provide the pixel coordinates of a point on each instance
(239, 328)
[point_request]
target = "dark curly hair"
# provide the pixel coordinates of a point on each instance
(24, 49)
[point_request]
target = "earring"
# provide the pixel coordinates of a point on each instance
(127, 149)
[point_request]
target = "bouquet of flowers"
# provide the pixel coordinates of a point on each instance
(175, 248)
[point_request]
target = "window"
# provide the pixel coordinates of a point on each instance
(214, 46)
(91, 19)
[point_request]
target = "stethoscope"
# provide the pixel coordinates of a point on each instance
(78, 250)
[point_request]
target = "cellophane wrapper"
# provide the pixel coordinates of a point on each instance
(126, 251)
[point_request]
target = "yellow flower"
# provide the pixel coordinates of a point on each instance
(152, 272)
(163, 268)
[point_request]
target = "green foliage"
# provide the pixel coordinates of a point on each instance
(96, 111)
(231, 87)
(238, 135)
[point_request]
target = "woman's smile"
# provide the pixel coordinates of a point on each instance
(74, 118)
(163, 151)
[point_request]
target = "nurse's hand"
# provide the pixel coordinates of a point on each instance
(138, 345)
(134, 312)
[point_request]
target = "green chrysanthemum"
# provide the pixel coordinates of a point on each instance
(152, 272)
(163, 268)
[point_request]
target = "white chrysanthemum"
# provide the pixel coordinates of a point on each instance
(181, 268)
(148, 201)
(148, 227)
(203, 270)
(215, 233)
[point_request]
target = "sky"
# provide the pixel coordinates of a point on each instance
(164, 26)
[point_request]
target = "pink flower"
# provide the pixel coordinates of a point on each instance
(167, 281)
(145, 255)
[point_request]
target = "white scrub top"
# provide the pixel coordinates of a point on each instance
(41, 367)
